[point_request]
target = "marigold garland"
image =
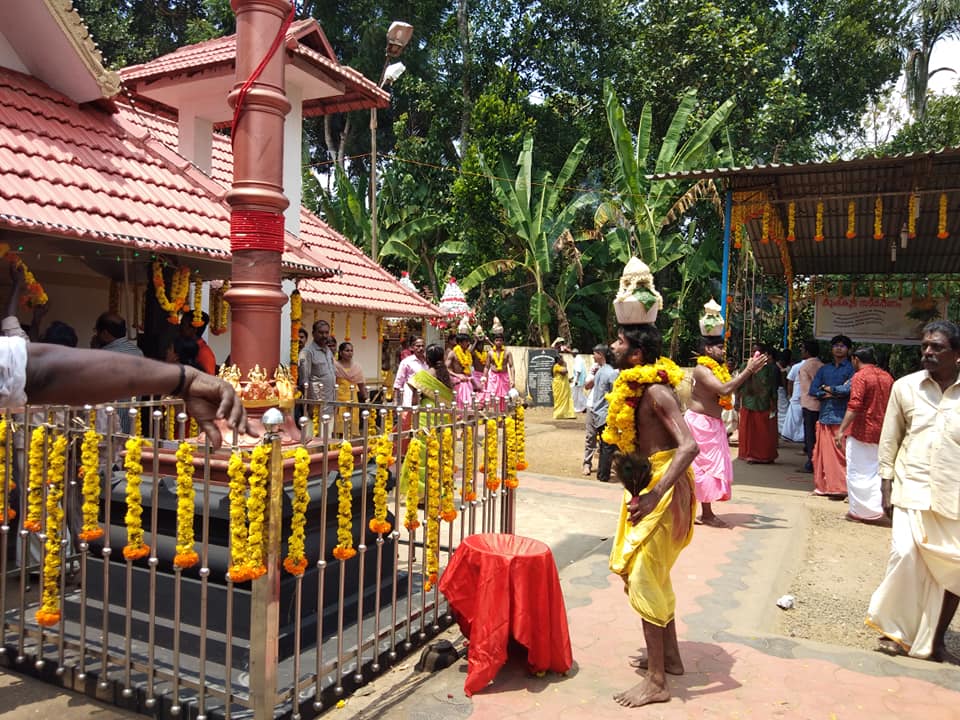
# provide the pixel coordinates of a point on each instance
(410, 474)
(818, 231)
(447, 509)
(765, 224)
(490, 461)
(135, 547)
(498, 359)
(256, 510)
(49, 611)
(186, 556)
(621, 429)
(431, 508)
(346, 331)
(296, 316)
(521, 439)
(296, 561)
(7, 485)
(851, 220)
(90, 472)
(878, 219)
(170, 422)
(465, 358)
(721, 373)
(363, 326)
(383, 454)
(238, 518)
(219, 309)
(942, 233)
(33, 292)
(35, 480)
(344, 549)
(912, 216)
(791, 221)
(510, 430)
(179, 287)
(469, 494)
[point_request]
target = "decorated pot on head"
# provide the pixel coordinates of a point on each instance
(711, 321)
(637, 301)
(496, 330)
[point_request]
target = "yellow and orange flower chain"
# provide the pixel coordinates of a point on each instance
(621, 429)
(344, 549)
(90, 473)
(296, 561)
(431, 510)
(186, 556)
(49, 612)
(721, 373)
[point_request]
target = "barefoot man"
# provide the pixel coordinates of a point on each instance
(712, 393)
(460, 366)
(656, 523)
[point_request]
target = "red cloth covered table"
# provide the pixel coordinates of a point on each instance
(503, 586)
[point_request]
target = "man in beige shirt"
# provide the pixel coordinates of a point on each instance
(919, 456)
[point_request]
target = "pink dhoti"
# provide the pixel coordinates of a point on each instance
(498, 386)
(829, 463)
(464, 393)
(712, 468)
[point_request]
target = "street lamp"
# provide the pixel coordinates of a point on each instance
(398, 35)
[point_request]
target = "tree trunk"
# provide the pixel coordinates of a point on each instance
(463, 27)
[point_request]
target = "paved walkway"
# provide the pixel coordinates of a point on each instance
(726, 582)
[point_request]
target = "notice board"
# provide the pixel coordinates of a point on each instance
(875, 319)
(540, 376)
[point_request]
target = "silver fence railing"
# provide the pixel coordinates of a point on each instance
(153, 613)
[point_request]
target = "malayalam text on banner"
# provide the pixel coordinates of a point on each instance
(896, 321)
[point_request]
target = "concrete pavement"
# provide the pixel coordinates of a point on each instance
(726, 583)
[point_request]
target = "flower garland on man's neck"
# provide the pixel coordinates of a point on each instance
(410, 474)
(7, 485)
(447, 509)
(49, 612)
(135, 547)
(465, 358)
(498, 359)
(296, 561)
(344, 549)
(521, 438)
(490, 460)
(431, 510)
(383, 454)
(469, 494)
(621, 429)
(186, 556)
(38, 439)
(90, 472)
(721, 373)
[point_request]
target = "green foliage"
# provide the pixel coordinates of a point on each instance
(938, 128)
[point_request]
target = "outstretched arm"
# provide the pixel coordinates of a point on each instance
(73, 376)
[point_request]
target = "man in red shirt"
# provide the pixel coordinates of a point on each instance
(205, 357)
(862, 422)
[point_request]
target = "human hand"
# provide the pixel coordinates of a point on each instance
(838, 439)
(755, 363)
(886, 492)
(208, 398)
(642, 505)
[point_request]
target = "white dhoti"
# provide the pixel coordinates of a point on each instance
(863, 480)
(924, 562)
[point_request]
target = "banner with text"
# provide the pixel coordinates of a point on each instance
(896, 321)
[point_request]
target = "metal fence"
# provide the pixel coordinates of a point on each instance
(167, 638)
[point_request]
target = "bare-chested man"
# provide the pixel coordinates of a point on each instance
(656, 523)
(460, 366)
(712, 390)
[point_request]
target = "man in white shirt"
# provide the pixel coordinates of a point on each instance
(409, 366)
(920, 487)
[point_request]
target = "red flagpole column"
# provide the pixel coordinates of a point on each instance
(256, 198)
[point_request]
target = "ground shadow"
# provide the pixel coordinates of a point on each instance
(708, 670)
(515, 675)
(753, 521)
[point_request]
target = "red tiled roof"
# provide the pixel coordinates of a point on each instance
(362, 283)
(307, 47)
(81, 173)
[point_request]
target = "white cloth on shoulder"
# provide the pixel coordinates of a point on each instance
(13, 372)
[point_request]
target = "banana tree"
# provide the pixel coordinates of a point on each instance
(534, 219)
(635, 219)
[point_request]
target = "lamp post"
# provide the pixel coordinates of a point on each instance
(398, 35)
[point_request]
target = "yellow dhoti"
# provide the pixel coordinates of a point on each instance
(643, 554)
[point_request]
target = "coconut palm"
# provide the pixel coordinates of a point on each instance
(929, 21)
(534, 220)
